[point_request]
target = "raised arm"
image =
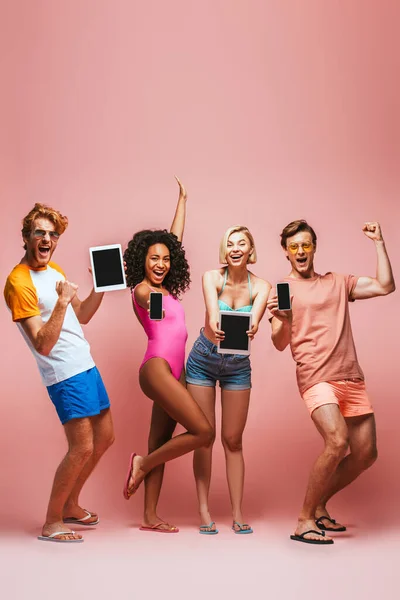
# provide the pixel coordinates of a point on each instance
(383, 283)
(44, 336)
(178, 224)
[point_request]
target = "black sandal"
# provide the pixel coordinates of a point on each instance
(324, 528)
(301, 538)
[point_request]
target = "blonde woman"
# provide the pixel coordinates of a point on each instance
(232, 287)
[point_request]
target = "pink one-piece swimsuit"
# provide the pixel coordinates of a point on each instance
(166, 338)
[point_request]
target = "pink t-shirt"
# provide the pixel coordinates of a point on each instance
(322, 341)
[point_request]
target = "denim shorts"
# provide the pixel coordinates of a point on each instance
(205, 366)
(82, 395)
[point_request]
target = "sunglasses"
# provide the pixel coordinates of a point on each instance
(41, 233)
(294, 248)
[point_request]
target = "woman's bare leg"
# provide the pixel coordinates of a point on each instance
(202, 458)
(158, 383)
(161, 430)
(235, 406)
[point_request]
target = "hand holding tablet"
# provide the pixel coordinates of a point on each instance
(107, 268)
(235, 325)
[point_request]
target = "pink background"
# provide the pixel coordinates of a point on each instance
(268, 111)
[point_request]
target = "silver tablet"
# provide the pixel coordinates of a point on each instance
(234, 324)
(108, 268)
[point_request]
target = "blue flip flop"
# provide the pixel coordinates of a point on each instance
(211, 531)
(241, 530)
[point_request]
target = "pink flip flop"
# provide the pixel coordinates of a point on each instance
(156, 528)
(126, 493)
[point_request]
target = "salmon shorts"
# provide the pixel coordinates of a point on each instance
(349, 394)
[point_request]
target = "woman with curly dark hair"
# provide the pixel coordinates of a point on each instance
(155, 261)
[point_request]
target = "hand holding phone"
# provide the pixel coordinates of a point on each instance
(280, 302)
(156, 306)
(283, 293)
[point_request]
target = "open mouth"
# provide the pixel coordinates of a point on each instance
(301, 261)
(44, 251)
(236, 257)
(159, 274)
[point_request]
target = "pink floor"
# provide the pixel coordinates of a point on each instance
(117, 560)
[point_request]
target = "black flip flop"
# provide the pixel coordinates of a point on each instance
(301, 538)
(325, 528)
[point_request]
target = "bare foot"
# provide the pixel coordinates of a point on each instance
(207, 524)
(74, 511)
(307, 525)
(49, 528)
(239, 523)
(137, 475)
(158, 524)
(326, 521)
(241, 526)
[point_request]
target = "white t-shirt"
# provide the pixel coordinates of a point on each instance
(32, 292)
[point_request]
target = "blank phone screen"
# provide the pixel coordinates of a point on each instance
(283, 293)
(156, 305)
(107, 267)
(235, 328)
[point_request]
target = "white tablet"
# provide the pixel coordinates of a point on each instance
(108, 268)
(234, 324)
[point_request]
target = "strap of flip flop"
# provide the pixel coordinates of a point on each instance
(56, 533)
(81, 519)
(327, 518)
(241, 526)
(209, 527)
(88, 516)
(302, 535)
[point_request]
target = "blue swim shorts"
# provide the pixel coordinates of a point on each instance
(82, 395)
(205, 366)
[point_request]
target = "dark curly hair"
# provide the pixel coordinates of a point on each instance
(177, 279)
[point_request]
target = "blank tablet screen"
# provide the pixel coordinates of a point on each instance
(107, 267)
(235, 328)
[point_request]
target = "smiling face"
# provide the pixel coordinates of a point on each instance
(41, 243)
(157, 264)
(300, 252)
(238, 249)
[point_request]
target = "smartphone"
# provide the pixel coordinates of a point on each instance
(156, 306)
(283, 293)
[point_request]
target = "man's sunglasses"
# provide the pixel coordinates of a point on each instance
(41, 233)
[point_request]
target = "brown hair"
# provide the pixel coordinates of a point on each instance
(295, 227)
(41, 211)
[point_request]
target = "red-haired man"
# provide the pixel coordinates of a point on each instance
(48, 312)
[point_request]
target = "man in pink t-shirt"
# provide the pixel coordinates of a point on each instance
(330, 380)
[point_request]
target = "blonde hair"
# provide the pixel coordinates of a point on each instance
(224, 244)
(41, 211)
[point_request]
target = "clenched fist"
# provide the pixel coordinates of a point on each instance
(66, 290)
(373, 231)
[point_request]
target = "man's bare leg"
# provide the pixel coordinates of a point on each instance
(103, 437)
(332, 426)
(80, 441)
(363, 454)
